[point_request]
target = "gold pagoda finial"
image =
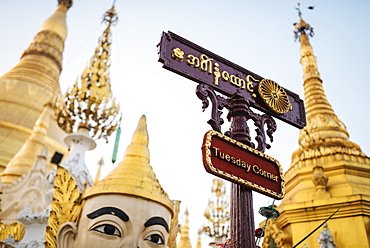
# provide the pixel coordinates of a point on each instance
(134, 175)
(90, 103)
(98, 173)
(302, 27)
(25, 159)
(324, 134)
(217, 213)
(184, 232)
(57, 22)
(67, 3)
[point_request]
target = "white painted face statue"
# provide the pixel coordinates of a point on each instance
(117, 220)
(126, 209)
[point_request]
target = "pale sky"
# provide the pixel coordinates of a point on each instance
(257, 35)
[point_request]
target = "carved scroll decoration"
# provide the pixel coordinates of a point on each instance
(239, 113)
(218, 102)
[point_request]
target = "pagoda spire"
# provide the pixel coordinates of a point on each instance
(184, 232)
(324, 134)
(327, 171)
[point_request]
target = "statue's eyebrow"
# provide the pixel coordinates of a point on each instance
(108, 210)
(157, 221)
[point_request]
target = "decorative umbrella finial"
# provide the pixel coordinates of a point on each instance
(301, 26)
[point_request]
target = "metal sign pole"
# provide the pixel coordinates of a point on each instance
(241, 199)
(242, 219)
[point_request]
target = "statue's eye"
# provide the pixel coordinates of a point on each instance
(155, 238)
(107, 229)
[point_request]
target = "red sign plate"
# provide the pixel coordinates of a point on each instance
(241, 164)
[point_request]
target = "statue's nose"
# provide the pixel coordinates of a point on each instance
(132, 244)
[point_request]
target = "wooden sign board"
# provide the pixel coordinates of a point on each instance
(202, 66)
(241, 164)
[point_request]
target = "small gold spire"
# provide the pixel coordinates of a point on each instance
(134, 175)
(199, 241)
(98, 173)
(25, 159)
(90, 103)
(184, 232)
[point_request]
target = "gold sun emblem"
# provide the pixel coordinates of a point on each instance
(274, 96)
(177, 54)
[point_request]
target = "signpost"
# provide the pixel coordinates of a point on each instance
(234, 156)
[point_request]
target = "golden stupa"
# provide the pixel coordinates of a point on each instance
(30, 84)
(327, 171)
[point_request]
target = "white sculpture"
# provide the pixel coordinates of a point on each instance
(325, 239)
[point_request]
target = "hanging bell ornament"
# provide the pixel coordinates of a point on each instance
(269, 212)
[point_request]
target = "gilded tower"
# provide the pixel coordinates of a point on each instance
(327, 171)
(32, 83)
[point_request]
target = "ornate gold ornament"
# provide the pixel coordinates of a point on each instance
(66, 205)
(274, 236)
(90, 103)
(217, 212)
(274, 96)
(177, 54)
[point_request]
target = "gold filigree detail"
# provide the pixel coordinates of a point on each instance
(177, 54)
(16, 229)
(66, 205)
(274, 96)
